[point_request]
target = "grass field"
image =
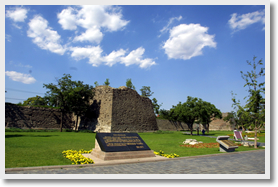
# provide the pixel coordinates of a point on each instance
(27, 149)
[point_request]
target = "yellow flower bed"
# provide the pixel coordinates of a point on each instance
(76, 156)
(161, 153)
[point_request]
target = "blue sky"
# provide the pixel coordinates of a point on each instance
(177, 50)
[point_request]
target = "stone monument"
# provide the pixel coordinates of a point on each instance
(115, 146)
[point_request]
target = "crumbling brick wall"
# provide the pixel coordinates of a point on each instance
(119, 110)
(101, 109)
(220, 124)
(132, 112)
(35, 117)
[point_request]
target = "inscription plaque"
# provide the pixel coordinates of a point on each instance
(117, 142)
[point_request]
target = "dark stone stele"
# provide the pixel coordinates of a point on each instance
(117, 142)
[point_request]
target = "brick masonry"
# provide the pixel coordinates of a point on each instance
(35, 117)
(120, 110)
(111, 110)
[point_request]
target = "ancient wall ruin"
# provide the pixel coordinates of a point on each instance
(220, 124)
(35, 117)
(132, 112)
(119, 110)
(111, 110)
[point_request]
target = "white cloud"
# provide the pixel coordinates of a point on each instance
(167, 27)
(101, 16)
(135, 57)
(94, 54)
(187, 41)
(20, 77)
(67, 19)
(17, 15)
(44, 36)
(114, 57)
(91, 52)
(92, 35)
(92, 18)
(239, 22)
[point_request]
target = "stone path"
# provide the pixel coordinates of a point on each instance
(224, 163)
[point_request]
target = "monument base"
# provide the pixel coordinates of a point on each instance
(122, 155)
(97, 152)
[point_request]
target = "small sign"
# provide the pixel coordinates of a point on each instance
(116, 142)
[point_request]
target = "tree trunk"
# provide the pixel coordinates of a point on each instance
(191, 129)
(207, 128)
(61, 124)
(255, 138)
(76, 123)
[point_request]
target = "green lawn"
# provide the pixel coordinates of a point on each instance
(26, 149)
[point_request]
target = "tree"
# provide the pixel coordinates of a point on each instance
(168, 114)
(146, 91)
(156, 106)
(129, 84)
(69, 95)
(255, 104)
(80, 101)
(35, 101)
(107, 83)
(208, 112)
(187, 112)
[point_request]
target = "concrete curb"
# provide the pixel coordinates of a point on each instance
(118, 162)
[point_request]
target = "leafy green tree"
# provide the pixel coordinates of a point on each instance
(168, 114)
(35, 101)
(255, 105)
(129, 84)
(107, 83)
(83, 93)
(156, 106)
(146, 91)
(187, 112)
(69, 95)
(207, 113)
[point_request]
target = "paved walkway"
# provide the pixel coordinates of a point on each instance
(224, 163)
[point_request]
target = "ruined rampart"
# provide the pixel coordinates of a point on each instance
(111, 110)
(119, 110)
(35, 117)
(132, 112)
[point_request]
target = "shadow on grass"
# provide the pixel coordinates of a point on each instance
(19, 135)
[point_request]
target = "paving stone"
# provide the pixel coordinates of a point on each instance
(235, 163)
